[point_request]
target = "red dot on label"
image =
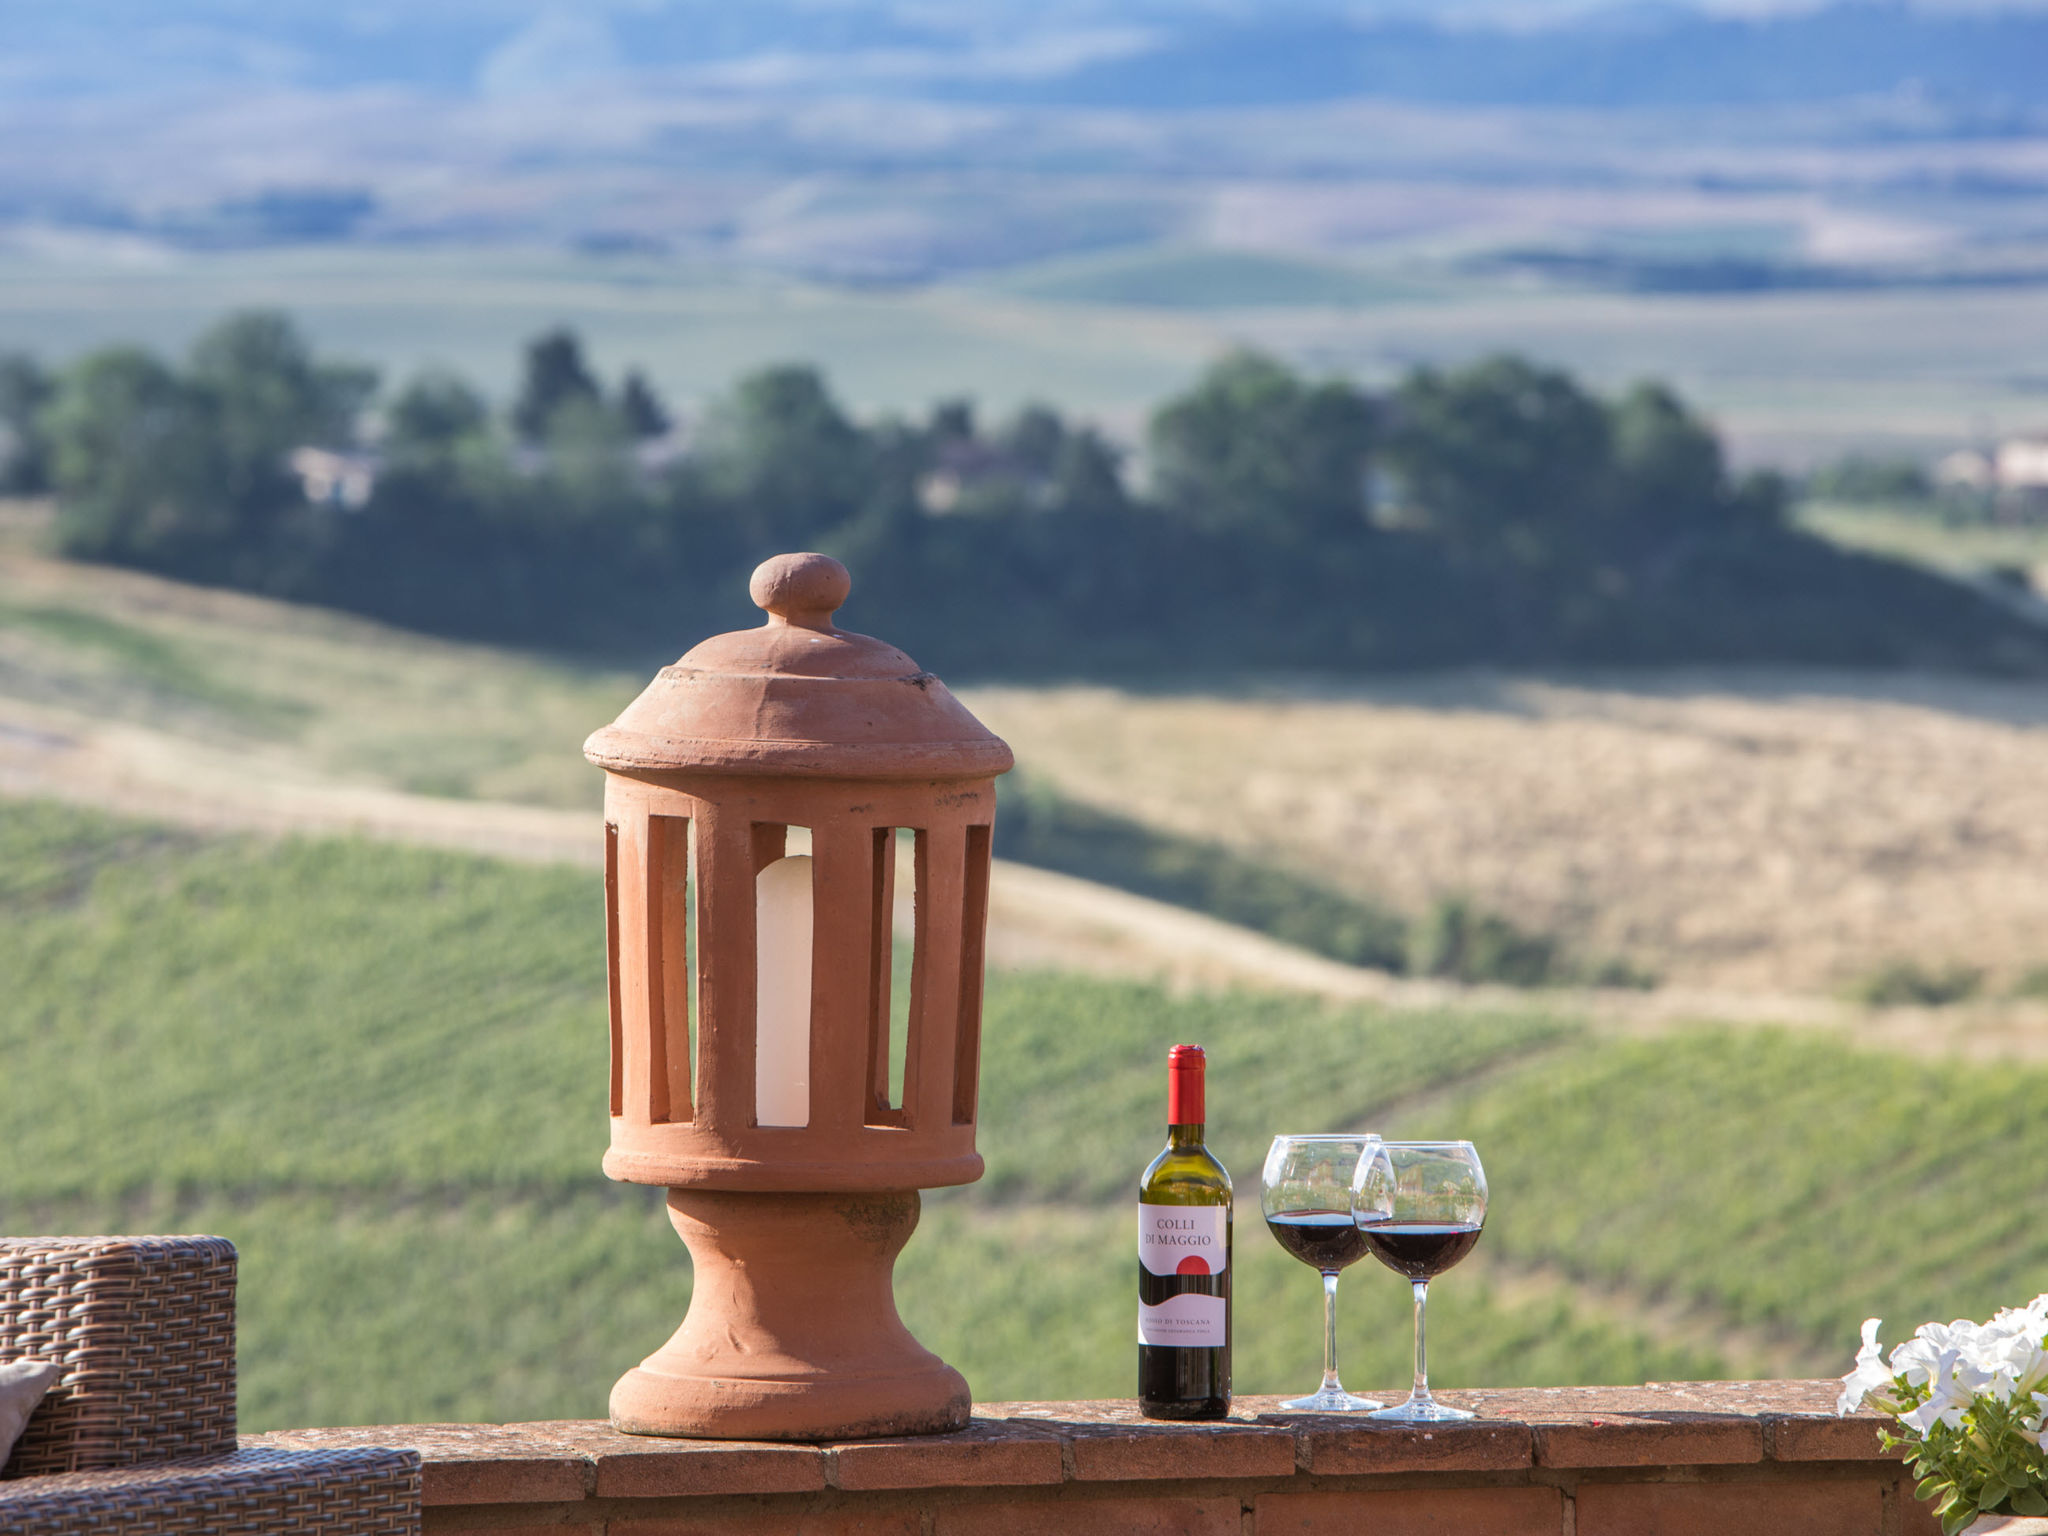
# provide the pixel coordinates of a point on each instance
(1193, 1265)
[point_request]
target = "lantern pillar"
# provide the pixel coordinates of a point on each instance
(754, 1032)
(792, 1323)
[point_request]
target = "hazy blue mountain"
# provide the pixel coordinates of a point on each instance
(1871, 140)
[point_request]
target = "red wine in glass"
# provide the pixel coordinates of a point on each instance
(1418, 1250)
(1419, 1206)
(1325, 1240)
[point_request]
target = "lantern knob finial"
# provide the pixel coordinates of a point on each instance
(804, 590)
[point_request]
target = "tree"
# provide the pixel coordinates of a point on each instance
(1667, 462)
(641, 408)
(24, 453)
(1255, 447)
(589, 459)
(1034, 439)
(434, 413)
(1087, 475)
(555, 373)
(784, 456)
(268, 393)
(263, 394)
(1859, 477)
(952, 422)
(1501, 457)
(135, 459)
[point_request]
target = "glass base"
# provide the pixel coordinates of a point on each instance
(1330, 1400)
(1422, 1410)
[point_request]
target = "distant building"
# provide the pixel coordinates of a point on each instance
(2022, 464)
(1967, 469)
(968, 470)
(2013, 475)
(335, 479)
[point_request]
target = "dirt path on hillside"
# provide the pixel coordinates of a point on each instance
(1036, 918)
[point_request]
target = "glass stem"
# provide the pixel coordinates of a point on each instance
(1330, 1382)
(1421, 1392)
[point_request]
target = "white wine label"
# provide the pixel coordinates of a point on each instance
(1188, 1321)
(1183, 1239)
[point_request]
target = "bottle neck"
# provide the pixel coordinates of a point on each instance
(1186, 1137)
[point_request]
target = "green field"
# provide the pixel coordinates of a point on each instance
(379, 1070)
(1786, 1181)
(693, 327)
(1792, 375)
(1922, 535)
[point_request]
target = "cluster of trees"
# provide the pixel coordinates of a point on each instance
(1498, 512)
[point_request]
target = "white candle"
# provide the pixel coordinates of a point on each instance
(782, 992)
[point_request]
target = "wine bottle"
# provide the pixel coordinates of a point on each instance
(1184, 1260)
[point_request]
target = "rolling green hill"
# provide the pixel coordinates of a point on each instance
(379, 1070)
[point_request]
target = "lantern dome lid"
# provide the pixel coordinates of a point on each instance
(799, 697)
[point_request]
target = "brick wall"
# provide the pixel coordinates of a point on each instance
(1670, 1459)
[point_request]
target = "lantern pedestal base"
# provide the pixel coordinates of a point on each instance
(792, 1332)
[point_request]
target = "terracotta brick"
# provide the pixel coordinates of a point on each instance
(1132, 1453)
(1111, 1441)
(467, 1463)
(988, 1453)
(1093, 1517)
(448, 1524)
(651, 1467)
(1842, 1507)
(1342, 1446)
(1755, 1397)
(1098, 1410)
(1914, 1517)
(1668, 1440)
(1413, 1512)
(779, 1520)
(1815, 1437)
(1738, 1399)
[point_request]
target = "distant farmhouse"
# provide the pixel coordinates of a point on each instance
(328, 478)
(969, 471)
(2014, 474)
(345, 478)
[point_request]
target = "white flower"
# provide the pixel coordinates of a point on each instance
(1946, 1400)
(1917, 1357)
(1871, 1373)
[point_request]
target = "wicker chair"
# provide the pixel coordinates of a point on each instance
(137, 1434)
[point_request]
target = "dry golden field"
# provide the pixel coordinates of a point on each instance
(1761, 832)
(1742, 829)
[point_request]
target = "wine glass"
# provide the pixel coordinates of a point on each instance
(1305, 1190)
(1419, 1206)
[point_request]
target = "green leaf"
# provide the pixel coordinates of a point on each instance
(2029, 1501)
(1930, 1487)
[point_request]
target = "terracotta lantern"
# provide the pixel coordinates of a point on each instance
(766, 1068)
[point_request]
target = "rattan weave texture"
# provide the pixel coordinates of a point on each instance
(144, 1328)
(354, 1492)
